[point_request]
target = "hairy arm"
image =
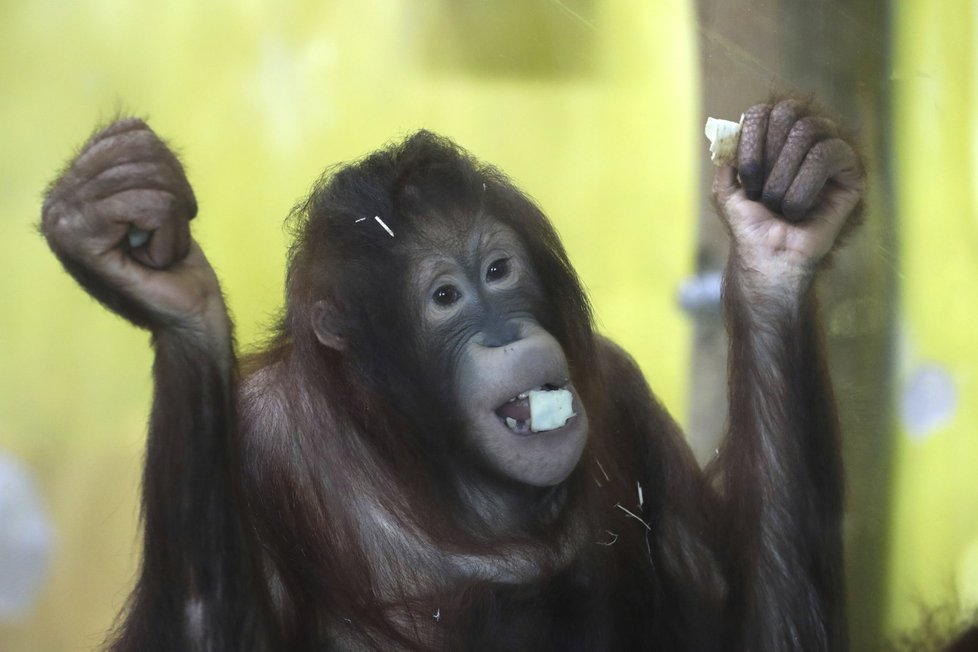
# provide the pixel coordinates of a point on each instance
(189, 594)
(780, 469)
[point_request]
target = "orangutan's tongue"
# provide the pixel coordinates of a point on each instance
(518, 410)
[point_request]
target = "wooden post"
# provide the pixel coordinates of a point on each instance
(838, 52)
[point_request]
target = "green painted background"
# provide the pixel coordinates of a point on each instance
(590, 105)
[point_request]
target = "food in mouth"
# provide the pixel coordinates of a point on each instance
(538, 410)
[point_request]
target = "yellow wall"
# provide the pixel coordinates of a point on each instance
(589, 105)
(934, 549)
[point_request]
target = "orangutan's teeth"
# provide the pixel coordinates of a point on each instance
(511, 423)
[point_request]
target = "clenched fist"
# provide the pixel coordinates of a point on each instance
(126, 183)
(796, 182)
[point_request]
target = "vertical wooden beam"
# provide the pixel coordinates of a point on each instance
(838, 52)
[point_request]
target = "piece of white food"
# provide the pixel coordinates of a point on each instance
(550, 410)
(724, 137)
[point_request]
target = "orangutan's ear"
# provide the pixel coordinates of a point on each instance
(326, 325)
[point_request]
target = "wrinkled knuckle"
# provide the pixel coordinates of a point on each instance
(58, 229)
(173, 205)
(842, 149)
(755, 118)
(785, 112)
(782, 109)
(757, 111)
(50, 207)
(133, 123)
(177, 205)
(147, 143)
(127, 125)
(820, 153)
(791, 105)
(805, 130)
(56, 225)
(106, 137)
(50, 219)
(127, 140)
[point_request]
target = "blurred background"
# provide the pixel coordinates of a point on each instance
(596, 109)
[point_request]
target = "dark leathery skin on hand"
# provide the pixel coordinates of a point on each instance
(750, 153)
(801, 137)
(825, 160)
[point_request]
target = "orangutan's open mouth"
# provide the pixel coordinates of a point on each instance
(538, 410)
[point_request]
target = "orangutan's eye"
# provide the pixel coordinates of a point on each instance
(446, 295)
(497, 270)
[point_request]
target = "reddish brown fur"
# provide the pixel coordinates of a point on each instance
(322, 503)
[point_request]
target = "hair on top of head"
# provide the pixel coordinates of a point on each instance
(343, 249)
(402, 177)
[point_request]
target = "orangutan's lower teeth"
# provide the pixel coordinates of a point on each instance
(550, 410)
(517, 426)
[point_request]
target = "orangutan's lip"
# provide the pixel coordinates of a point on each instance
(525, 395)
